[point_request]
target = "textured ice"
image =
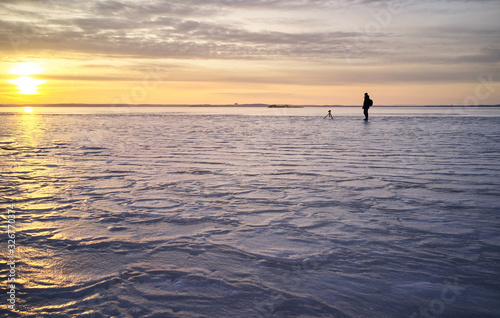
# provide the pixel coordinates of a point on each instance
(285, 215)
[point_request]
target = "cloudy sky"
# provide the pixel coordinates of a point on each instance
(402, 52)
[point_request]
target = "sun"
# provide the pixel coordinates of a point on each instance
(28, 110)
(27, 85)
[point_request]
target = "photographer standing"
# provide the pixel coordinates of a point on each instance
(366, 105)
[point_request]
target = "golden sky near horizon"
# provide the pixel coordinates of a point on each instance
(259, 51)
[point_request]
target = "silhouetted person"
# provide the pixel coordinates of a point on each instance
(329, 115)
(366, 105)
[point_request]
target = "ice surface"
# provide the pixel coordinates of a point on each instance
(285, 215)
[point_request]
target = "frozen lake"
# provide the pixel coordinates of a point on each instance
(253, 213)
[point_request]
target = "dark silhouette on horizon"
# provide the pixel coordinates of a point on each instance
(329, 115)
(366, 105)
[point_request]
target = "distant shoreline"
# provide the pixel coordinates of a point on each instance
(233, 106)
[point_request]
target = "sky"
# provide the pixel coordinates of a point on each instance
(298, 52)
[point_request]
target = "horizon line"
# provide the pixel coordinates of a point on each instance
(225, 105)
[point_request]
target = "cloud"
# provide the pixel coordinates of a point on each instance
(459, 35)
(153, 34)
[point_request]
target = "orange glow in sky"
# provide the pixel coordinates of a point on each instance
(26, 68)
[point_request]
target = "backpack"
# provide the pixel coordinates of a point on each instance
(370, 102)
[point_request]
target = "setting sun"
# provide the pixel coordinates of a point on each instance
(28, 110)
(27, 85)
